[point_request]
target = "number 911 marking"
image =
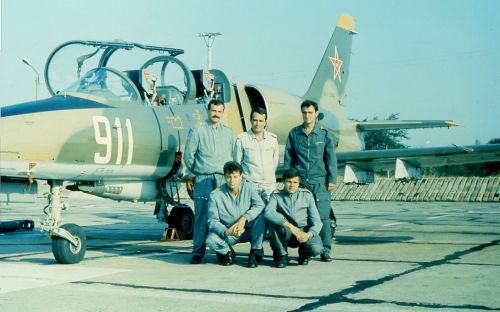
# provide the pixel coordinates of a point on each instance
(105, 138)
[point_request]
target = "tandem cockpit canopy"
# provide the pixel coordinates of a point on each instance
(73, 60)
(128, 71)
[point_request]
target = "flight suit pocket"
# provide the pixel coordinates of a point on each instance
(319, 147)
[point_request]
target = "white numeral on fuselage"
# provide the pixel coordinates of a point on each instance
(107, 139)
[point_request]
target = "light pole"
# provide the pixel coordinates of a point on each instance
(37, 80)
(209, 38)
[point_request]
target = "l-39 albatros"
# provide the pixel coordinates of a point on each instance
(108, 134)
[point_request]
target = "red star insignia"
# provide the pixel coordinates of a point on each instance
(337, 64)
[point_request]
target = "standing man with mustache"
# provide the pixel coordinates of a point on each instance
(208, 148)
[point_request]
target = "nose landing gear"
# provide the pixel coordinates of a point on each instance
(69, 242)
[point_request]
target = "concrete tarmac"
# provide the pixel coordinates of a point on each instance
(388, 256)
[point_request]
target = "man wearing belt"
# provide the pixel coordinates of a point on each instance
(310, 149)
(235, 216)
(257, 151)
(208, 148)
(293, 221)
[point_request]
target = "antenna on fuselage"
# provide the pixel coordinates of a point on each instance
(208, 80)
(209, 38)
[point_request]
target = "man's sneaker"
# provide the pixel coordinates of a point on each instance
(196, 259)
(325, 257)
(281, 261)
(252, 258)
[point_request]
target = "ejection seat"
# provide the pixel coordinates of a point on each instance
(136, 77)
(170, 95)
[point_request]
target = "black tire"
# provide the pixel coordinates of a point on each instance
(183, 220)
(64, 251)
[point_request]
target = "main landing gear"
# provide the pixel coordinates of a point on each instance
(181, 217)
(69, 242)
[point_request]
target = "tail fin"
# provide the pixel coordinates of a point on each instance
(329, 83)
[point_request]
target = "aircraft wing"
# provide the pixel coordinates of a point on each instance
(403, 124)
(413, 159)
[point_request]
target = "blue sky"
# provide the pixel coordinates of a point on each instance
(423, 59)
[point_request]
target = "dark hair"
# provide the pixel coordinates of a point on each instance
(290, 173)
(215, 102)
(308, 103)
(258, 110)
(232, 166)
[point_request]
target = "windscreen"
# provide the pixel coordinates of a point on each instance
(105, 83)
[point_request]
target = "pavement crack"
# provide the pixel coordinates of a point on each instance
(199, 290)
(363, 285)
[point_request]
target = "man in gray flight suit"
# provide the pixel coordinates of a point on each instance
(235, 216)
(208, 148)
(293, 221)
(310, 149)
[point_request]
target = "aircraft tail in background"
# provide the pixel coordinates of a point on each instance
(330, 81)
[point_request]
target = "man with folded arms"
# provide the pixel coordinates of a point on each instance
(235, 216)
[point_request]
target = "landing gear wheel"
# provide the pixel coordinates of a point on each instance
(64, 251)
(183, 220)
(187, 223)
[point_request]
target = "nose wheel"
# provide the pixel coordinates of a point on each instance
(66, 252)
(69, 242)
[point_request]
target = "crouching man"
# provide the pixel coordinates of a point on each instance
(293, 221)
(235, 216)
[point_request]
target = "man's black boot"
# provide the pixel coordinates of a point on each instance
(196, 259)
(281, 261)
(303, 258)
(325, 256)
(252, 258)
(226, 259)
(260, 256)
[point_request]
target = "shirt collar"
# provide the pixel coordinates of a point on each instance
(293, 196)
(252, 134)
(314, 130)
(225, 188)
(209, 125)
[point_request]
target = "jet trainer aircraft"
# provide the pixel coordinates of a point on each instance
(106, 135)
